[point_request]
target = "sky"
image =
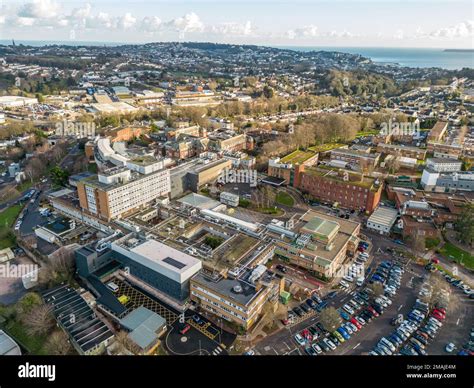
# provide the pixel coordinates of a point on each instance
(332, 23)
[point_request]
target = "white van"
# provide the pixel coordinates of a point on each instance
(360, 281)
(112, 287)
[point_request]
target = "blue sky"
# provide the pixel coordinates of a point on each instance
(357, 23)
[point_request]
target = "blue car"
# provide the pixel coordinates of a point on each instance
(321, 306)
(344, 315)
(344, 333)
(377, 278)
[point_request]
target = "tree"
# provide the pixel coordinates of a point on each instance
(57, 344)
(417, 243)
(438, 290)
(268, 91)
(465, 225)
(59, 176)
(124, 344)
(377, 288)
(28, 302)
(330, 319)
(39, 320)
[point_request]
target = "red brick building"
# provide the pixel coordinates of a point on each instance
(350, 190)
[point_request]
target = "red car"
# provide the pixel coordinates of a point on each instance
(355, 322)
(440, 312)
(372, 310)
(435, 261)
(185, 329)
(306, 334)
(439, 317)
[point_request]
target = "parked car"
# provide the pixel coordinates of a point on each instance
(300, 340)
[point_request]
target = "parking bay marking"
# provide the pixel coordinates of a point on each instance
(400, 307)
(356, 346)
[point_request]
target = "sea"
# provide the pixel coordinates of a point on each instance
(409, 57)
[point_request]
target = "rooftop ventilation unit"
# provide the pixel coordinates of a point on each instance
(237, 289)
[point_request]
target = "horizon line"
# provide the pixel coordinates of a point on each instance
(113, 43)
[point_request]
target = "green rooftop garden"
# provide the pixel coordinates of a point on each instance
(298, 156)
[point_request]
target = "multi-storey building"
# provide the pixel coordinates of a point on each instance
(444, 164)
(359, 159)
(118, 191)
(400, 150)
(347, 189)
(320, 243)
(438, 131)
(238, 300)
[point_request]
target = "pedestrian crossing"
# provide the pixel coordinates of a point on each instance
(217, 351)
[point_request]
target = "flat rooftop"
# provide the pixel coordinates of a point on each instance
(159, 257)
(384, 216)
(199, 201)
(236, 290)
(321, 226)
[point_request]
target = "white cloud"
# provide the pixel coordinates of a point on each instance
(187, 23)
(24, 21)
(309, 31)
(460, 30)
(236, 29)
(151, 24)
(126, 21)
(39, 9)
(399, 35)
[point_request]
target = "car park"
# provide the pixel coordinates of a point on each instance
(360, 320)
(343, 284)
(329, 343)
(298, 311)
(356, 323)
(347, 308)
(316, 298)
(344, 333)
(344, 315)
(316, 348)
(300, 340)
(305, 307)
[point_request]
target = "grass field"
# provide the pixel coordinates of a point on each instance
(284, 199)
(7, 218)
(454, 253)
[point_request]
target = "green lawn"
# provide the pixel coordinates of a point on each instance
(454, 253)
(367, 133)
(9, 215)
(7, 218)
(284, 199)
(33, 343)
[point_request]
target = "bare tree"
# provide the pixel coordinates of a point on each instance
(125, 344)
(330, 319)
(58, 344)
(39, 320)
(377, 288)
